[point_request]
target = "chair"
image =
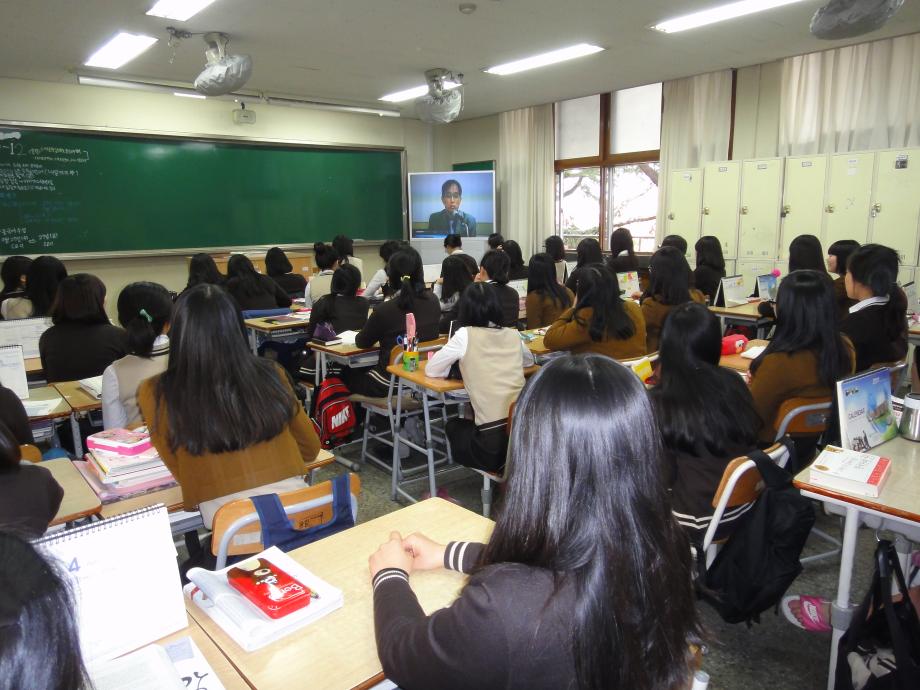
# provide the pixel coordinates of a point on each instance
(489, 478)
(236, 530)
(898, 369)
(260, 313)
(30, 453)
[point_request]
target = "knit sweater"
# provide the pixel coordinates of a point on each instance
(655, 312)
(542, 310)
(570, 332)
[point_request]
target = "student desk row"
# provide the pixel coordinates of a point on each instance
(74, 403)
(745, 314)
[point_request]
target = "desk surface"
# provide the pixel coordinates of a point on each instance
(263, 323)
(227, 675)
(737, 362)
(536, 345)
(745, 311)
(419, 378)
(340, 648)
(49, 393)
(77, 397)
(79, 499)
(342, 349)
(33, 365)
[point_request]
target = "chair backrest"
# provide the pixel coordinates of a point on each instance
(30, 453)
(259, 313)
(425, 346)
(803, 417)
(237, 531)
(896, 369)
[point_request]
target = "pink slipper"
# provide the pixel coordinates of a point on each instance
(812, 619)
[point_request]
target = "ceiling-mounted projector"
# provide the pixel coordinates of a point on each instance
(849, 18)
(224, 73)
(444, 101)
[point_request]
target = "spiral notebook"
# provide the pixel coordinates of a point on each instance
(25, 332)
(125, 580)
(13, 370)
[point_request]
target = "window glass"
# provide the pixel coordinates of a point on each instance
(578, 127)
(635, 119)
(578, 204)
(632, 202)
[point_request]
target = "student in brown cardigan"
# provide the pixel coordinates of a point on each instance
(807, 355)
(546, 297)
(838, 254)
(669, 286)
(600, 321)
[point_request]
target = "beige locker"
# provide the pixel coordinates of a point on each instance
(849, 193)
(895, 209)
(685, 189)
(749, 270)
(721, 191)
(906, 275)
(803, 199)
(761, 197)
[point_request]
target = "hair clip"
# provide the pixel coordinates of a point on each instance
(147, 316)
(409, 278)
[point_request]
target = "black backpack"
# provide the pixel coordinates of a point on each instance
(761, 558)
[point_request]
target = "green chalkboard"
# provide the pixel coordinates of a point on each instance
(475, 165)
(68, 192)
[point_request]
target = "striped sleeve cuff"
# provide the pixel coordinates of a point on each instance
(390, 574)
(454, 554)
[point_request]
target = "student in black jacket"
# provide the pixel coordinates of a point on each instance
(585, 582)
(518, 269)
(622, 257)
(710, 266)
(252, 290)
(279, 268)
(493, 268)
(203, 269)
(29, 495)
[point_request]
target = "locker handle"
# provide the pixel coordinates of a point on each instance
(877, 207)
(706, 211)
(829, 208)
(744, 210)
(671, 215)
(786, 209)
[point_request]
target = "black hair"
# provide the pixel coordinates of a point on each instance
(805, 254)
(202, 269)
(689, 351)
(555, 247)
(599, 290)
(470, 264)
(621, 241)
(495, 241)
(42, 281)
(588, 252)
(480, 306)
(144, 309)
(669, 277)
(456, 276)
(39, 639)
(806, 319)
(325, 255)
(12, 272)
(10, 454)
(446, 187)
(709, 253)
(515, 256)
(80, 299)
(675, 241)
(345, 281)
(389, 248)
(218, 396)
(497, 265)
(598, 518)
(344, 247)
(277, 263)
(249, 281)
(453, 241)
(876, 267)
(406, 277)
(542, 279)
(841, 250)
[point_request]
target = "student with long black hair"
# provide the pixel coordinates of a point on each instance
(13, 273)
(345, 247)
(877, 323)
(203, 269)
(222, 419)
(710, 266)
(43, 277)
(705, 414)
(669, 286)
(29, 495)
(838, 254)
(493, 268)
(555, 247)
(378, 283)
(805, 254)
(600, 321)
(453, 244)
(144, 310)
(250, 289)
(582, 551)
(279, 268)
(622, 255)
(517, 269)
(327, 260)
(587, 252)
(546, 297)
(675, 241)
(455, 276)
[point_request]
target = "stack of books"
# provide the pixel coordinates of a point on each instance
(123, 459)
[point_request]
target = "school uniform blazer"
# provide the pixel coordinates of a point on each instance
(706, 279)
(29, 499)
(13, 414)
(71, 350)
(511, 304)
(840, 295)
(387, 322)
(866, 329)
(570, 332)
(542, 310)
(344, 313)
(293, 284)
(655, 312)
(622, 263)
(510, 629)
(519, 273)
(270, 296)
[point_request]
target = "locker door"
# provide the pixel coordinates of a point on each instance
(750, 270)
(685, 189)
(761, 190)
(721, 189)
(803, 199)
(895, 209)
(846, 209)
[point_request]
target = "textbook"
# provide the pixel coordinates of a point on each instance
(115, 464)
(850, 471)
(866, 415)
(92, 385)
(109, 493)
(120, 441)
(242, 620)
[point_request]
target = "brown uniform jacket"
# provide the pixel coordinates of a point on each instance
(570, 333)
(542, 310)
(654, 312)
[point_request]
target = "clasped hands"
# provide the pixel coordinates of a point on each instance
(415, 552)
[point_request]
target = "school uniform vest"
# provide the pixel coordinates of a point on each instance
(130, 370)
(492, 371)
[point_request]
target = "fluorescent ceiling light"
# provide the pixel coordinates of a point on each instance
(544, 59)
(189, 95)
(719, 14)
(121, 49)
(180, 10)
(414, 92)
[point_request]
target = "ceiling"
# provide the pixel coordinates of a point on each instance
(357, 50)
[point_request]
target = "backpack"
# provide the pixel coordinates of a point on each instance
(332, 412)
(761, 558)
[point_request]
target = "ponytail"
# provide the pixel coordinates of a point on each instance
(876, 267)
(144, 309)
(406, 277)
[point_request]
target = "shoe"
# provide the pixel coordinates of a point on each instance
(813, 618)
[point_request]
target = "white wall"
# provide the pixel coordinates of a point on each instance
(466, 141)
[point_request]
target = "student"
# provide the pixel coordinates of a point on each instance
(453, 244)
(455, 276)
(805, 254)
(622, 255)
(82, 342)
(39, 637)
(807, 355)
(388, 321)
(144, 310)
(345, 247)
(517, 270)
(42, 280)
(675, 241)
(250, 289)
(491, 359)
(877, 323)
(588, 252)
(327, 259)
(378, 283)
(13, 415)
(279, 268)
(13, 273)
(29, 495)
(555, 247)
(669, 286)
(600, 321)
(582, 554)
(451, 219)
(222, 419)
(710, 266)
(705, 415)
(495, 241)
(202, 269)
(493, 268)
(837, 256)
(546, 298)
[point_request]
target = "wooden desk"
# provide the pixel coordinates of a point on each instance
(81, 402)
(536, 345)
(338, 651)
(49, 393)
(346, 355)
(739, 363)
(221, 666)
(898, 504)
(33, 365)
(744, 312)
(261, 329)
(80, 500)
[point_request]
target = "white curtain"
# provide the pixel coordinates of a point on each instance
(860, 97)
(525, 172)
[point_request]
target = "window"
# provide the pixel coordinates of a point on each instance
(578, 127)
(635, 119)
(633, 202)
(578, 204)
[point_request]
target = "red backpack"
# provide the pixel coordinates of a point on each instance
(332, 412)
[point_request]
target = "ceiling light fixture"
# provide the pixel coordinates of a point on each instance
(544, 59)
(121, 49)
(718, 14)
(414, 92)
(180, 10)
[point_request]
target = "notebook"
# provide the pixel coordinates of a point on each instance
(92, 385)
(25, 332)
(13, 370)
(629, 284)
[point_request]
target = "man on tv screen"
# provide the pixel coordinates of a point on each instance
(451, 220)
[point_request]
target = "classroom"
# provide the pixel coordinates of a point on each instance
(431, 344)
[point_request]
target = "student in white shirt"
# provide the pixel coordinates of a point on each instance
(453, 244)
(327, 258)
(379, 282)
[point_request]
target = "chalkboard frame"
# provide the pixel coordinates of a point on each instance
(254, 142)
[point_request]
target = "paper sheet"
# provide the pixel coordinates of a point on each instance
(348, 337)
(39, 408)
(753, 352)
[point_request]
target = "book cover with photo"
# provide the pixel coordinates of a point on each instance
(866, 415)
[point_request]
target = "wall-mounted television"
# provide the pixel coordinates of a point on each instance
(459, 202)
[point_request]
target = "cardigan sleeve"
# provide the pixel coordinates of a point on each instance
(373, 330)
(281, 297)
(565, 333)
(769, 388)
